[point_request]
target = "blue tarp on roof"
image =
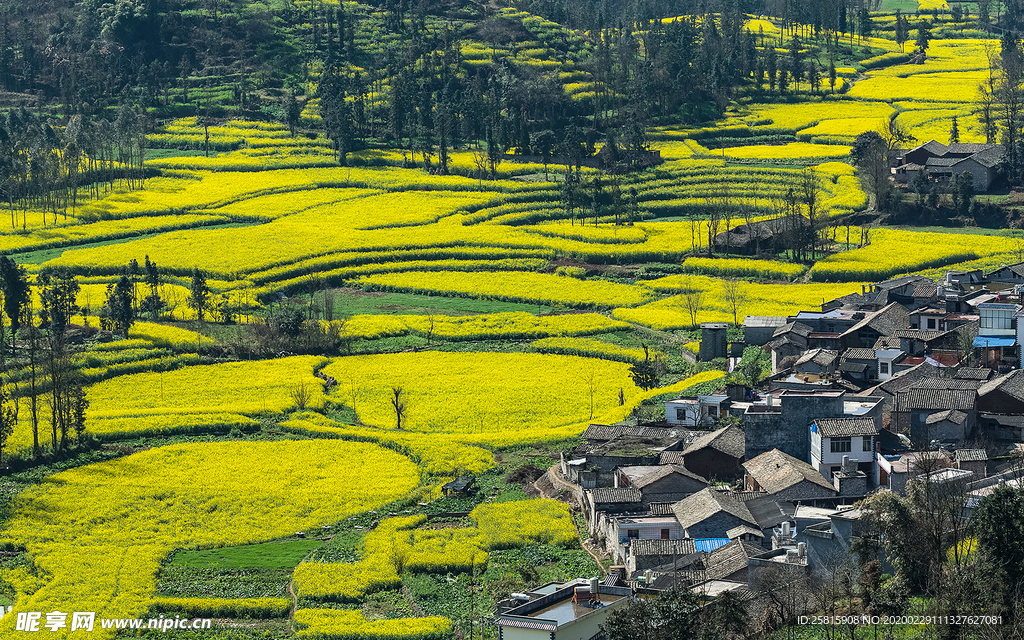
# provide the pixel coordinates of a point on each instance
(994, 341)
(709, 544)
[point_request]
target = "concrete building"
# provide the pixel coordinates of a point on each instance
(714, 341)
(782, 423)
(758, 330)
(573, 611)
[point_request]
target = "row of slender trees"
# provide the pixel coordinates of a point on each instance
(48, 166)
(40, 369)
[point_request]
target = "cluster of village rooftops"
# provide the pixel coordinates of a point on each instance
(910, 378)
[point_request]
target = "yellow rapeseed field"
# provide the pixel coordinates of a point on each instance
(892, 252)
(536, 288)
(755, 300)
(99, 532)
(495, 398)
(256, 387)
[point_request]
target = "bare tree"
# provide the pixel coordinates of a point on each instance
(330, 297)
(592, 388)
(301, 394)
(691, 300)
(732, 293)
(399, 405)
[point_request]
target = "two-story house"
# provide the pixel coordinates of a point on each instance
(996, 342)
(834, 438)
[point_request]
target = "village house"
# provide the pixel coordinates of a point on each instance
(759, 330)
(662, 556)
(714, 513)
(937, 415)
(896, 470)
(973, 460)
(717, 454)
(839, 441)
(572, 611)
(782, 423)
(883, 322)
(996, 343)
(660, 483)
(786, 478)
(939, 162)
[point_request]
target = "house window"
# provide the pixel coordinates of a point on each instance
(840, 445)
(633, 534)
(867, 443)
(883, 368)
(681, 415)
(997, 318)
(664, 534)
(931, 323)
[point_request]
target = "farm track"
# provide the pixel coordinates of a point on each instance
(557, 482)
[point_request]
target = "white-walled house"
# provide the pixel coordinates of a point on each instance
(886, 359)
(833, 438)
(702, 411)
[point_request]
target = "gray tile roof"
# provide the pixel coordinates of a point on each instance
(729, 440)
(938, 399)
(769, 512)
(948, 383)
(697, 508)
(895, 283)
(661, 508)
(974, 374)
(820, 357)
(604, 432)
(932, 146)
(798, 328)
(664, 471)
(764, 321)
(743, 529)
(970, 147)
(728, 559)
(682, 547)
(843, 427)
(988, 157)
(621, 495)
(885, 321)
(776, 471)
(1012, 384)
(850, 298)
(970, 455)
(854, 367)
(672, 457)
(925, 335)
(951, 415)
(859, 353)
(925, 290)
